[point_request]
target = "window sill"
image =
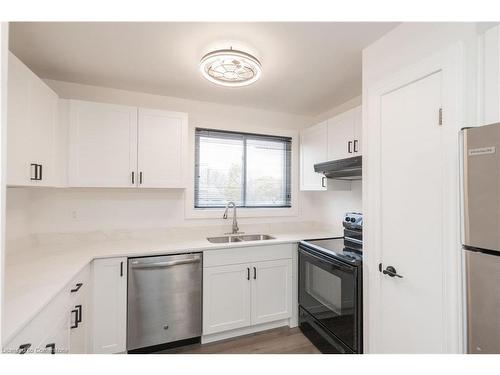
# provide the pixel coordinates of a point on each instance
(216, 213)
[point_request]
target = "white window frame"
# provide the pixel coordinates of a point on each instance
(209, 213)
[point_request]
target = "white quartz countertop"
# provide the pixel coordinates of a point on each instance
(37, 271)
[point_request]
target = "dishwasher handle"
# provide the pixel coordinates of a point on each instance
(165, 264)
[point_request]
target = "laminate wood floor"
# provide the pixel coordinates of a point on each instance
(283, 340)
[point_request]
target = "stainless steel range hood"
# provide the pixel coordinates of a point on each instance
(343, 169)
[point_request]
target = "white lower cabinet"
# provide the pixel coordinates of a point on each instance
(271, 291)
(226, 298)
(109, 305)
(50, 330)
(80, 314)
(249, 293)
(58, 340)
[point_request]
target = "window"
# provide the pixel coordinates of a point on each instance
(251, 170)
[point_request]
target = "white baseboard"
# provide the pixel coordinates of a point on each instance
(244, 331)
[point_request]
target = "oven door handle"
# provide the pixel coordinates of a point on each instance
(330, 261)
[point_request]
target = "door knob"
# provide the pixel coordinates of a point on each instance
(390, 270)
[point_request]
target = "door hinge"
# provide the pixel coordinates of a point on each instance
(440, 116)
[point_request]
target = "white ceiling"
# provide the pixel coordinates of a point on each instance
(308, 68)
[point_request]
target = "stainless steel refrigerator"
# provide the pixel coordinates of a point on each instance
(481, 192)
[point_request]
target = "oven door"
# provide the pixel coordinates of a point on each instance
(329, 291)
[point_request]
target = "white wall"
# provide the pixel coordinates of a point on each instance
(4, 31)
(45, 210)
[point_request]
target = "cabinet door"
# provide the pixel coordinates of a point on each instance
(358, 131)
(313, 149)
(341, 136)
(103, 145)
(109, 307)
(31, 126)
(162, 148)
(57, 341)
(42, 117)
(226, 298)
(271, 291)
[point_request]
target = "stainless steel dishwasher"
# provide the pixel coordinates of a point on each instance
(164, 299)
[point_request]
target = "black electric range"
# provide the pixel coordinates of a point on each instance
(330, 289)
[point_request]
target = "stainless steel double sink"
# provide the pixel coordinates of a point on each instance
(240, 238)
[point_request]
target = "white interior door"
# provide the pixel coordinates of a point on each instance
(162, 148)
(410, 318)
(271, 291)
(226, 298)
(103, 145)
(341, 136)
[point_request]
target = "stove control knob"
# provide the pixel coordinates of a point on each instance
(353, 220)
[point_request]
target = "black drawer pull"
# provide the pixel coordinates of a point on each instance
(133, 178)
(24, 348)
(355, 145)
(75, 311)
(140, 178)
(121, 269)
(79, 313)
(248, 273)
(349, 144)
(34, 170)
(52, 347)
(40, 166)
(78, 286)
(254, 273)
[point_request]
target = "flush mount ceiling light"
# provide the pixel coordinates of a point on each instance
(229, 67)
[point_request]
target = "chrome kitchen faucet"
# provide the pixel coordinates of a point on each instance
(235, 228)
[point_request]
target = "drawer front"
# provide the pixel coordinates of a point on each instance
(49, 319)
(250, 254)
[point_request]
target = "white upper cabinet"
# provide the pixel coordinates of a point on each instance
(120, 146)
(313, 149)
(341, 136)
(162, 149)
(344, 135)
(336, 138)
(103, 145)
(358, 131)
(31, 127)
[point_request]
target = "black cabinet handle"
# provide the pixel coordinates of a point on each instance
(254, 273)
(78, 313)
(133, 178)
(77, 288)
(52, 347)
(355, 145)
(349, 144)
(34, 170)
(121, 269)
(248, 273)
(323, 180)
(24, 348)
(75, 311)
(140, 178)
(37, 169)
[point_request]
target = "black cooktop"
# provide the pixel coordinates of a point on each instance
(335, 247)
